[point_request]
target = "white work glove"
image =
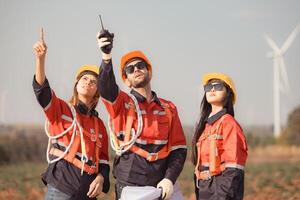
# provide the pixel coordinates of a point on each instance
(167, 188)
(103, 42)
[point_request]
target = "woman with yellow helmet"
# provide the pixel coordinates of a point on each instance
(77, 150)
(219, 145)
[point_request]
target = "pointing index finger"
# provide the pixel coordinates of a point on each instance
(42, 35)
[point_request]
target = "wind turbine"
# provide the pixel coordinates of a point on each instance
(280, 77)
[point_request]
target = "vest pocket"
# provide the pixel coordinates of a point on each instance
(162, 128)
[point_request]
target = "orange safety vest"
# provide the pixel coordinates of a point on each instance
(59, 115)
(75, 146)
(215, 166)
(214, 152)
(131, 116)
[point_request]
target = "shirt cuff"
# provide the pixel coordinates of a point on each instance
(104, 171)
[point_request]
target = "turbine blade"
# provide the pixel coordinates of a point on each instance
(284, 75)
(271, 43)
(290, 39)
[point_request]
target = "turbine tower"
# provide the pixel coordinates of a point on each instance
(280, 77)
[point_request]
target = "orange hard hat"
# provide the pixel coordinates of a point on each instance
(131, 55)
(92, 68)
(207, 77)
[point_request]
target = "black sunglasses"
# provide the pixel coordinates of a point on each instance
(129, 69)
(217, 86)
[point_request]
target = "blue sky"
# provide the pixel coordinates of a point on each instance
(182, 39)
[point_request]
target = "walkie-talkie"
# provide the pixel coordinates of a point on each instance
(110, 36)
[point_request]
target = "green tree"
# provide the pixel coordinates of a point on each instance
(291, 134)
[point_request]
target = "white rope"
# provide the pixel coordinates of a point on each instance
(74, 125)
(84, 158)
(134, 134)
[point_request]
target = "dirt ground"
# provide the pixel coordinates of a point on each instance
(272, 172)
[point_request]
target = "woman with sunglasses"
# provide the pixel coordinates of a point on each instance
(77, 150)
(219, 145)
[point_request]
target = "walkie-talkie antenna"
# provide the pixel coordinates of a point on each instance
(101, 22)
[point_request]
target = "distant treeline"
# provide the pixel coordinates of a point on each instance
(19, 144)
(29, 143)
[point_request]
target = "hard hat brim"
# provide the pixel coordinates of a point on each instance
(207, 77)
(132, 55)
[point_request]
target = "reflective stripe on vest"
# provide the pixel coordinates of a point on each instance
(157, 112)
(234, 165)
(178, 147)
(227, 165)
(67, 118)
(215, 137)
(103, 162)
(149, 141)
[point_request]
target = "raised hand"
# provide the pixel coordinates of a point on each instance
(105, 41)
(40, 47)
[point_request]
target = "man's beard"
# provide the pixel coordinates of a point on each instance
(142, 83)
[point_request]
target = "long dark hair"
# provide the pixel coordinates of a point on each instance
(205, 110)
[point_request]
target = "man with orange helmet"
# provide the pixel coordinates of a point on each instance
(147, 132)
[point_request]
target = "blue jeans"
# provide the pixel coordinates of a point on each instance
(55, 194)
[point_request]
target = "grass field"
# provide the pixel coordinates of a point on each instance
(271, 173)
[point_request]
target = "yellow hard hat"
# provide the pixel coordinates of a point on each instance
(129, 56)
(207, 77)
(92, 68)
